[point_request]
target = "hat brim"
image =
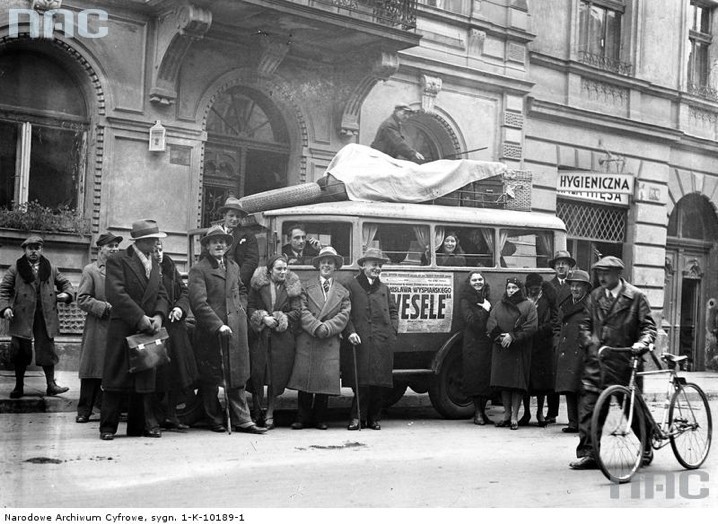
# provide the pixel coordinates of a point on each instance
(224, 209)
(378, 259)
(552, 262)
(338, 260)
(110, 241)
(151, 235)
(228, 238)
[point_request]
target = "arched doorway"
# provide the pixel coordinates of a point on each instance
(247, 149)
(43, 132)
(692, 232)
(431, 137)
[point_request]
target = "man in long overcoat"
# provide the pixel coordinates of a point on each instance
(243, 248)
(562, 263)
(325, 312)
(372, 328)
(92, 300)
(618, 315)
(133, 286)
(29, 292)
(218, 299)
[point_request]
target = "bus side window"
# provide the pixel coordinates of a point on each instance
(402, 243)
(335, 234)
(525, 248)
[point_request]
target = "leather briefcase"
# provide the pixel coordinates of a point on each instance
(147, 351)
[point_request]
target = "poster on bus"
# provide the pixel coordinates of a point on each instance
(425, 300)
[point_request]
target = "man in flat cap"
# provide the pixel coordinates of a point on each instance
(617, 315)
(390, 137)
(29, 293)
(139, 305)
(92, 300)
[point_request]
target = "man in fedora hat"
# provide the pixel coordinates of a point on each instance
(325, 312)
(562, 263)
(92, 300)
(618, 315)
(218, 299)
(372, 328)
(390, 137)
(133, 287)
(243, 248)
(29, 293)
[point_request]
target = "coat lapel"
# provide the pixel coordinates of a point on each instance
(153, 286)
(332, 299)
(136, 266)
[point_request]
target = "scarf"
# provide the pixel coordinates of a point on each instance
(24, 268)
(364, 283)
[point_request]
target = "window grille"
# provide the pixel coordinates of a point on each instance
(592, 222)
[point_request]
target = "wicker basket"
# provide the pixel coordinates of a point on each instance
(283, 197)
(511, 190)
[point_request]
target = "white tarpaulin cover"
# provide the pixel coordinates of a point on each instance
(370, 175)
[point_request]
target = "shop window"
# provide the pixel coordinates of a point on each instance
(700, 38)
(43, 132)
(475, 247)
(335, 234)
(600, 34)
(402, 243)
(524, 248)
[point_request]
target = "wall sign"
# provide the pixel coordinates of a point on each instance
(425, 300)
(609, 188)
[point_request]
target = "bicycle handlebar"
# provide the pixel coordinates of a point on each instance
(630, 349)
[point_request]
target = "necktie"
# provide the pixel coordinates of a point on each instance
(220, 261)
(326, 287)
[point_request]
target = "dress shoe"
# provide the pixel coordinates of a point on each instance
(647, 457)
(321, 425)
(479, 419)
(354, 424)
(218, 428)
(569, 429)
(514, 425)
(82, 419)
(541, 423)
(152, 433)
(107, 436)
(53, 389)
(297, 425)
(173, 424)
(550, 420)
(17, 392)
(253, 429)
(584, 463)
(373, 425)
(524, 421)
(503, 424)
(269, 423)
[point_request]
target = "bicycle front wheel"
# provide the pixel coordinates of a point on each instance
(618, 433)
(690, 426)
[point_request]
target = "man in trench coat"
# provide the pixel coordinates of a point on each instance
(133, 286)
(372, 328)
(29, 293)
(218, 299)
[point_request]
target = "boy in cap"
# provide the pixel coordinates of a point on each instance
(29, 293)
(92, 300)
(618, 315)
(390, 137)
(243, 249)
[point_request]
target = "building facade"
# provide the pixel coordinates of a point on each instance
(255, 95)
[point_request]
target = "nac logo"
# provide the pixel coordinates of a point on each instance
(62, 20)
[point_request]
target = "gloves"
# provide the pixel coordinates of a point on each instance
(638, 349)
(322, 331)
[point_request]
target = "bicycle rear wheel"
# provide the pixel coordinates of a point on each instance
(618, 444)
(691, 426)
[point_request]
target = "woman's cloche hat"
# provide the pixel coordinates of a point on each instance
(328, 252)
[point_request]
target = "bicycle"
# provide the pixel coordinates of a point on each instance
(620, 417)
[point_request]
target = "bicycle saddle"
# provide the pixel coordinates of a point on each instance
(675, 359)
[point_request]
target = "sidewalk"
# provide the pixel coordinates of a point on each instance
(35, 400)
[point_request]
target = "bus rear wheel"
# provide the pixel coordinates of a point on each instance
(445, 391)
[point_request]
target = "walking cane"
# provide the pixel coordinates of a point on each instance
(222, 346)
(356, 382)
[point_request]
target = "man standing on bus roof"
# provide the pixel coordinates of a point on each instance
(618, 315)
(562, 263)
(372, 328)
(390, 137)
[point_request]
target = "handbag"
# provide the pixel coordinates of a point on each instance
(147, 351)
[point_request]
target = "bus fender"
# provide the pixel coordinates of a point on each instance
(440, 355)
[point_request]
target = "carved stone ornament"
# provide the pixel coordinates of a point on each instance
(431, 85)
(693, 269)
(476, 42)
(382, 68)
(272, 52)
(176, 34)
(45, 5)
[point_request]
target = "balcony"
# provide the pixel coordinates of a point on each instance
(605, 63)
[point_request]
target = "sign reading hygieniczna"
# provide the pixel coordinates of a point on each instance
(610, 188)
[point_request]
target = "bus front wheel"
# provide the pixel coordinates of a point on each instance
(445, 390)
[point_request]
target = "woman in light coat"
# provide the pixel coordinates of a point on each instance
(91, 299)
(275, 308)
(325, 312)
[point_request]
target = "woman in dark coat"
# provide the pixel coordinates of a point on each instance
(274, 309)
(325, 312)
(570, 353)
(511, 325)
(450, 252)
(476, 351)
(541, 375)
(182, 370)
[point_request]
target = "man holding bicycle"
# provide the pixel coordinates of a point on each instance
(618, 315)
